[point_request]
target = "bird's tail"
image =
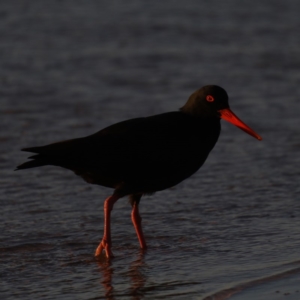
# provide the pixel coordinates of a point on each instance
(32, 164)
(37, 160)
(57, 154)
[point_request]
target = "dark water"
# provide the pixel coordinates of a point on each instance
(69, 68)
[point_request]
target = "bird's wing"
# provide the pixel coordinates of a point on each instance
(153, 146)
(136, 143)
(156, 144)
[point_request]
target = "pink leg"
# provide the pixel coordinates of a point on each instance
(137, 223)
(105, 244)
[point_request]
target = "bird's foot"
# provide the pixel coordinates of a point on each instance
(104, 246)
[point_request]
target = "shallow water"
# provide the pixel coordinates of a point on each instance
(69, 68)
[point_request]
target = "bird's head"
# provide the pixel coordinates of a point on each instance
(211, 101)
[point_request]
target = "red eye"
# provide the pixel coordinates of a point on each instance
(210, 98)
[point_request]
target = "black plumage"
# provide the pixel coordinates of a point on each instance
(144, 155)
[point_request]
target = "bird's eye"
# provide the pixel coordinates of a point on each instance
(210, 98)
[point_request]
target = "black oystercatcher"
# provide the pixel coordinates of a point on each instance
(143, 155)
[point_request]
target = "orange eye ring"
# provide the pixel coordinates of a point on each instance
(210, 98)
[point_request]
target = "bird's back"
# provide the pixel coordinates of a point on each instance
(150, 153)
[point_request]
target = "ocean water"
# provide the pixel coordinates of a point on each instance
(70, 68)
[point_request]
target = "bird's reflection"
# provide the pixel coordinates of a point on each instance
(107, 272)
(138, 278)
(135, 274)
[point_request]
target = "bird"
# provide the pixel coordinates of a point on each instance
(143, 155)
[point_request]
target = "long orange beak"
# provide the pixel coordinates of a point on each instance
(229, 116)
